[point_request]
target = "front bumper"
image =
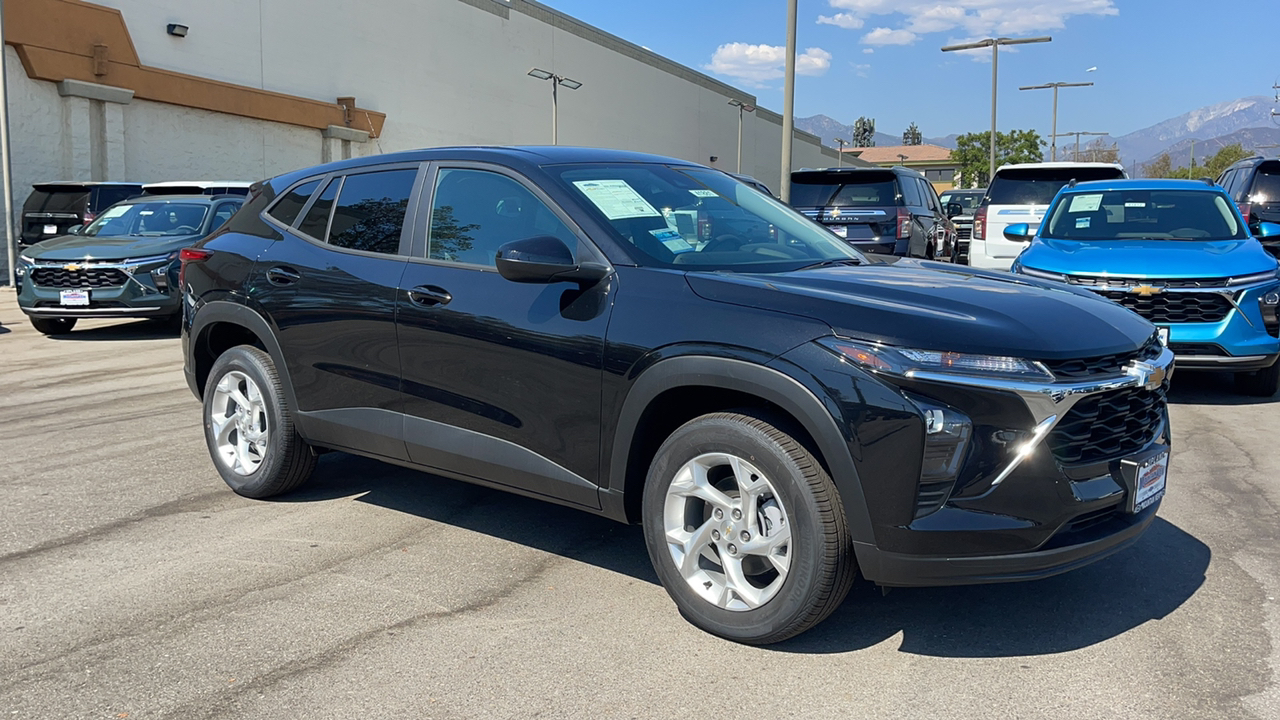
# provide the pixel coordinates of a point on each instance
(140, 295)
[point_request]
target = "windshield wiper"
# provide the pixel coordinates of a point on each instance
(831, 263)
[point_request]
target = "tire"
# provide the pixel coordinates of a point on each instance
(775, 593)
(258, 467)
(53, 326)
(1261, 383)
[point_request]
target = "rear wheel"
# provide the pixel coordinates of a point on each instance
(249, 428)
(53, 326)
(1261, 383)
(745, 529)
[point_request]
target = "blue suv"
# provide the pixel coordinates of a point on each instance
(1176, 252)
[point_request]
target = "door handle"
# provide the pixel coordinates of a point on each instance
(283, 276)
(429, 296)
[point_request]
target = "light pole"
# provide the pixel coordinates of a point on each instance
(742, 107)
(994, 44)
(4, 162)
(1193, 159)
(1077, 136)
(556, 82)
(902, 159)
(788, 103)
(1053, 146)
(841, 142)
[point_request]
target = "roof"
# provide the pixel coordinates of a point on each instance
(198, 184)
(1142, 184)
(80, 183)
(195, 197)
(1060, 164)
(914, 153)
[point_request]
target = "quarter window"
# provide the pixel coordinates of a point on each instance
(316, 221)
(910, 192)
(287, 208)
(474, 212)
(370, 212)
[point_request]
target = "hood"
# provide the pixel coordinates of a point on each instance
(939, 306)
(83, 247)
(1149, 258)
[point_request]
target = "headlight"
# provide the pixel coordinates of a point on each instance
(1042, 274)
(132, 265)
(906, 361)
(24, 263)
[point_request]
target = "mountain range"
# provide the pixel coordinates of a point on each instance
(1247, 121)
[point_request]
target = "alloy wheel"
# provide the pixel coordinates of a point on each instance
(239, 418)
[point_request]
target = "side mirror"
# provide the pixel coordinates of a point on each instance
(1268, 230)
(1018, 232)
(954, 209)
(75, 229)
(545, 259)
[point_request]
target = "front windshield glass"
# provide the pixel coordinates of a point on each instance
(1144, 214)
(148, 219)
(966, 200)
(699, 219)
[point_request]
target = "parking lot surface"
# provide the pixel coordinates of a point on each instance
(134, 584)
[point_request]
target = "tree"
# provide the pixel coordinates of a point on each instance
(1099, 151)
(912, 136)
(972, 153)
(1161, 167)
(864, 132)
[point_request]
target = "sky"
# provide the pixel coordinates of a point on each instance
(1154, 59)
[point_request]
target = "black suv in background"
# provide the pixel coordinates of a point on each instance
(53, 208)
(968, 200)
(890, 211)
(777, 410)
(1254, 185)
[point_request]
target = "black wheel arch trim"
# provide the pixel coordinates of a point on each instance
(764, 382)
(227, 311)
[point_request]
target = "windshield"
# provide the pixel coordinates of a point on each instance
(148, 219)
(1144, 214)
(700, 219)
(843, 189)
(966, 200)
(1037, 186)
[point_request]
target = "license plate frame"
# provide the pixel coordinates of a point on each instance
(74, 298)
(50, 229)
(839, 230)
(1145, 478)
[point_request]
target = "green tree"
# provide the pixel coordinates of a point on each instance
(972, 153)
(864, 132)
(1161, 167)
(912, 136)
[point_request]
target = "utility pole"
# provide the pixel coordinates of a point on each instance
(788, 102)
(742, 107)
(841, 142)
(5, 166)
(1053, 145)
(994, 44)
(1077, 136)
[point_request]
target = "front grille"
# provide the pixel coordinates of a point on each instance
(964, 232)
(1126, 282)
(1201, 349)
(1176, 307)
(1103, 364)
(1108, 425)
(86, 277)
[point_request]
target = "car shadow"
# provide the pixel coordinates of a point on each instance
(137, 330)
(4, 330)
(1192, 387)
(1067, 612)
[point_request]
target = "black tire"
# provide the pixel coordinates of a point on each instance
(820, 552)
(288, 460)
(53, 326)
(1261, 383)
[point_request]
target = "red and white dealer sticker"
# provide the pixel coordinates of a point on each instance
(1151, 481)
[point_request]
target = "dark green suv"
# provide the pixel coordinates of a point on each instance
(123, 264)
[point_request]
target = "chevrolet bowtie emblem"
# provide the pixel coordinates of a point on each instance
(71, 267)
(835, 212)
(1146, 290)
(1150, 376)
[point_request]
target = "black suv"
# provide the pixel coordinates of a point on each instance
(1254, 185)
(54, 208)
(891, 211)
(776, 409)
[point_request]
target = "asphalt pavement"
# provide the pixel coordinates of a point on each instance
(134, 584)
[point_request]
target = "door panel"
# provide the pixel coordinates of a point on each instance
(501, 380)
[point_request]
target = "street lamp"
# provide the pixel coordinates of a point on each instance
(788, 102)
(742, 108)
(1053, 146)
(556, 82)
(1077, 136)
(994, 44)
(902, 159)
(841, 142)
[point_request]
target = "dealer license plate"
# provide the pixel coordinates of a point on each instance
(50, 229)
(1151, 479)
(73, 297)
(840, 230)
(1164, 334)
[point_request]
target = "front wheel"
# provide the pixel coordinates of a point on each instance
(745, 529)
(249, 428)
(1261, 383)
(53, 326)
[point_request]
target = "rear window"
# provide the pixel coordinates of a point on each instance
(1037, 186)
(57, 201)
(873, 189)
(1266, 184)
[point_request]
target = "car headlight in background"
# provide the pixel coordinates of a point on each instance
(1269, 304)
(906, 361)
(23, 265)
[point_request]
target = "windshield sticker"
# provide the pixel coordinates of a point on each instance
(1082, 222)
(672, 239)
(116, 211)
(616, 199)
(1085, 203)
(703, 193)
(1135, 204)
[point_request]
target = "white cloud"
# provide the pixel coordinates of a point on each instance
(868, 51)
(844, 20)
(886, 36)
(862, 70)
(757, 64)
(972, 18)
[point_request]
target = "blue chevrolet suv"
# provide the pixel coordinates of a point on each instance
(1178, 253)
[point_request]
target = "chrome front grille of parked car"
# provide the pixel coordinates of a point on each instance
(84, 277)
(1175, 307)
(1109, 425)
(1102, 365)
(964, 232)
(1129, 282)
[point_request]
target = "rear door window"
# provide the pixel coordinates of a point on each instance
(1038, 186)
(370, 211)
(316, 222)
(287, 208)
